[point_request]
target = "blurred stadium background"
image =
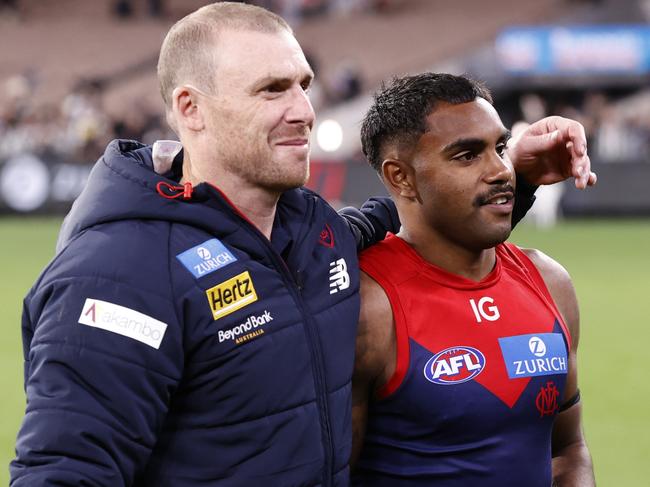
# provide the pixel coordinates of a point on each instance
(76, 73)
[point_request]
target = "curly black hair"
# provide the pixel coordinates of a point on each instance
(399, 111)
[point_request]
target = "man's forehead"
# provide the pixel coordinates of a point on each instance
(260, 54)
(475, 119)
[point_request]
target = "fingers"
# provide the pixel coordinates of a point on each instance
(593, 179)
(570, 131)
(580, 162)
(529, 143)
(581, 171)
(575, 133)
(584, 177)
(518, 129)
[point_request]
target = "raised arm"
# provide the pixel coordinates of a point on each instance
(551, 150)
(374, 359)
(572, 465)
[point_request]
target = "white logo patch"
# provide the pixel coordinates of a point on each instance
(123, 321)
(537, 346)
(250, 325)
(204, 253)
(490, 313)
(339, 277)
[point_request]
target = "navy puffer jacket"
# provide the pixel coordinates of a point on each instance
(169, 343)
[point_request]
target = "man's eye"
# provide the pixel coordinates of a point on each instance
(465, 156)
(274, 88)
(501, 149)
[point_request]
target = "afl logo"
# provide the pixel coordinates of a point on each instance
(454, 365)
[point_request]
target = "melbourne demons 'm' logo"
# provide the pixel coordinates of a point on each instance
(546, 400)
(454, 365)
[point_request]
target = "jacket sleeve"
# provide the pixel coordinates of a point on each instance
(370, 223)
(97, 388)
(524, 199)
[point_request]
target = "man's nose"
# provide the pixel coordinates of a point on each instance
(499, 169)
(300, 109)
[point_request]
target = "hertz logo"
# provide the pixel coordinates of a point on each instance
(231, 295)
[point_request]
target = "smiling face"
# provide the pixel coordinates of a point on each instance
(464, 186)
(259, 119)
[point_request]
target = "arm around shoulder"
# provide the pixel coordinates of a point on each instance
(572, 465)
(370, 223)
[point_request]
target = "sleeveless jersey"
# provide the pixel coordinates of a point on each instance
(480, 372)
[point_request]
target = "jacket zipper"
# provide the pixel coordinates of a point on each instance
(312, 337)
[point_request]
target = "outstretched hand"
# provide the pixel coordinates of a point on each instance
(552, 150)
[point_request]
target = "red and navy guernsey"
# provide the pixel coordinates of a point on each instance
(481, 367)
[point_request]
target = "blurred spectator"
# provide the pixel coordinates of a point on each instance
(532, 107)
(296, 11)
(344, 83)
(9, 7)
(124, 9)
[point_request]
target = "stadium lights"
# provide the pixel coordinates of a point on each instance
(329, 135)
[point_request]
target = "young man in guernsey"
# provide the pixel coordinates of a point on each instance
(466, 370)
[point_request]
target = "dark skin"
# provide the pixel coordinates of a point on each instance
(453, 194)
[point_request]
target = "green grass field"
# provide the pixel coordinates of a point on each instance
(610, 264)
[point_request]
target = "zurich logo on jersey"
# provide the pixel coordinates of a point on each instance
(534, 355)
(454, 365)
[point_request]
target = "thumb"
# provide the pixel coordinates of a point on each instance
(534, 144)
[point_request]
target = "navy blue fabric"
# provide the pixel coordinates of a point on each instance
(104, 409)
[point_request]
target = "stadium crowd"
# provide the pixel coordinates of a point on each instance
(295, 11)
(618, 130)
(79, 126)
(76, 128)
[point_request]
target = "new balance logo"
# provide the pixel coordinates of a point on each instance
(339, 277)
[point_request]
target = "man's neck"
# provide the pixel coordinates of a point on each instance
(450, 256)
(256, 203)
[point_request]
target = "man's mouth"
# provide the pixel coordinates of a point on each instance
(299, 142)
(503, 196)
(500, 199)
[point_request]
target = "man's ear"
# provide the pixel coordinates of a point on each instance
(399, 177)
(185, 109)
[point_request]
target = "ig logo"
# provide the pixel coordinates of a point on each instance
(481, 311)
